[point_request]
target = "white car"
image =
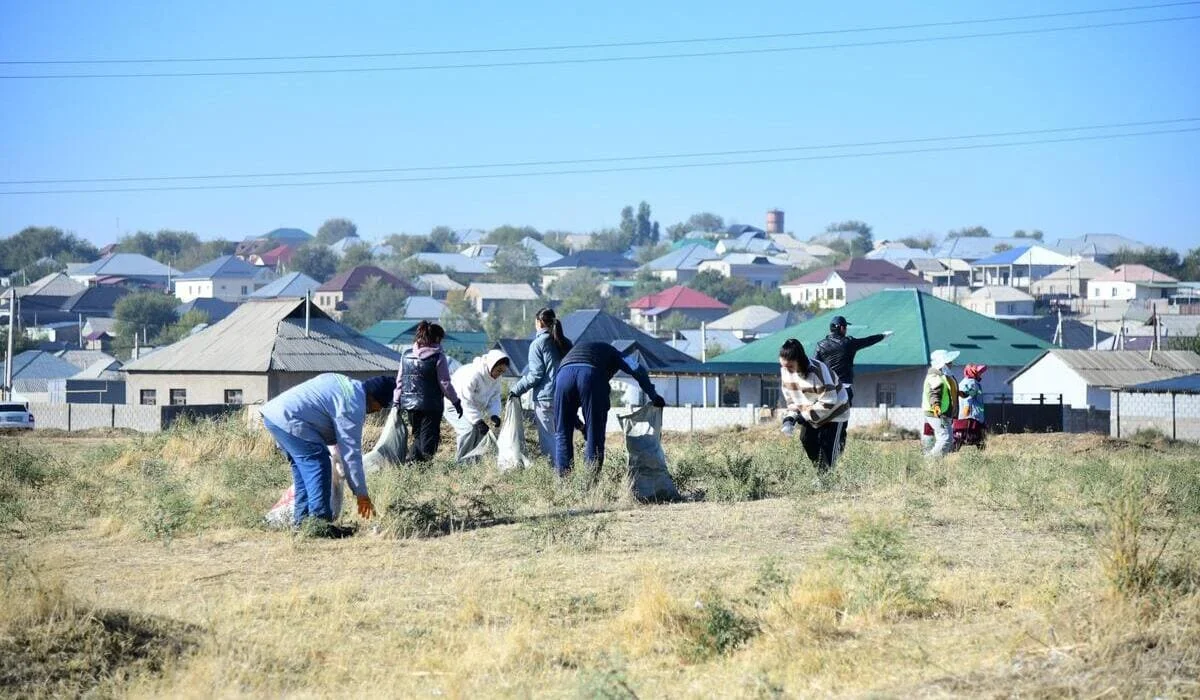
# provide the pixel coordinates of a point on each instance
(15, 416)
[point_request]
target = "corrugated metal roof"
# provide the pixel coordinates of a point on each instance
(1122, 368)
(596, 259)
(55, 284)
(920, 323)
(687, 257)
(83, 359)
(39, 365)
(268, 335)
(439, 283)
(1000, 293)
(1187, 384)
(487, 290)
(751, 318)
(293, 284)
(126, 265)
(454, 262)
(224, 266)
(1135, 273)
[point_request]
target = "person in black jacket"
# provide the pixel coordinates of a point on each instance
(837, 351)
(582, 382)
(422, 384)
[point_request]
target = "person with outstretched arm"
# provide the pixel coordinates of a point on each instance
(582, 382)
(837, 351)
(328, 409)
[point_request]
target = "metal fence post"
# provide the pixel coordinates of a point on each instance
(1173, 395)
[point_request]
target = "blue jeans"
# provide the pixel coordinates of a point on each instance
(312, 473)
(576, 387)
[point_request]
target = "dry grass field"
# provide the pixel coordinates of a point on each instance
(1045, 566)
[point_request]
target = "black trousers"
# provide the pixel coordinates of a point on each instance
(849, 403)
(823, 445)
(426, 433)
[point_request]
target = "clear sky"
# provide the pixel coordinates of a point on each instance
(1147, 187)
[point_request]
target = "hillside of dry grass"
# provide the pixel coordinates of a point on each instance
(1047, 565)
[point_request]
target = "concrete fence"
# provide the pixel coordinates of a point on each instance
(686, 419)
(1175, 415)
(144, 419)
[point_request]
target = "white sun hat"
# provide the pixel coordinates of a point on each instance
(941, 358)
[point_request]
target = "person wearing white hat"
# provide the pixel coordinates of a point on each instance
(939, 399)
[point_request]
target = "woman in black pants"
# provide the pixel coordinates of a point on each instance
(814, 395)
(422, 384)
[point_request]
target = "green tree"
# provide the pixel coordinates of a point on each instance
(334, 230)
(677, 232)
(143, 313)
(316, 261)
(580, 289)
(355, 256)
(460, 314)
(651, 252)
(510, 319)
(21, 343)
(723, 289)
(611, 240)
(925, 242)
(376, 301)
(441, 239)
(705, 221)
(1162, 259)
(1001, 247)
(512, 235)
(517, 264)
(1182, 342)
(863, 241)
(1191, 265)
(969, 232)
(181, 328)
(36, 242)
(772, 299)
(628, 226)
(646, 283)
(1034, 234)
(645, 230)
(194, 257)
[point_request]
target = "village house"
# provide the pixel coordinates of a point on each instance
(760, 271)
(227, 278)
(1129, 282)
(601, 262)
(438, 285)
(131, 267)
(752, 322)
(334, 296)
(1070, 282)
(293, 284)
(262, 349)
(682, 263)
(1086, 378)
(1000, 301)
(688, 307)
(1017, 267)
(849, 281)
(487, 296)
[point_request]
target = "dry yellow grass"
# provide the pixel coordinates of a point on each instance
(731, 599)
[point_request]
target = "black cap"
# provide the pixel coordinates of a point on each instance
(838, 321)
(380, 388)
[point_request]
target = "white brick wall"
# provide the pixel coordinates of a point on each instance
(1175, 415)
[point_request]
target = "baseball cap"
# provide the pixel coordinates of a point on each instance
(380, 388)
(838, 321)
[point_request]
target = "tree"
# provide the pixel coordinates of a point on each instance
(863, 241)
(516, 263)
(1191, 265)
(21, 343)
(512, 235)
(316, 261)
(969, 232)
(772, 299)
(651, 252)
(677, 232)
(925, 242)
(723, 289)
(376, 301)
(579, 289)
(611, 240)
(1022, 233)
(1001, 247)
(628, 227)
(646, 283)
(645, 230)
(181, 328)
(36, 242)
(144, 314)
(460, 314)
(355, 256)
(1182, 342)
(510, 319)
(705, 221)
(1162, 259)
(334, 230)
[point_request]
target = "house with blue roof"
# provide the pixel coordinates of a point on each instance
(215, 309)
(544, 253)
(293, 284)
(971, 249)
(1017, 267)
(602, 262)
(228, 277)
(682, 263)
(1097, 247)
(126, 267)
(33, 370)
(455, 263)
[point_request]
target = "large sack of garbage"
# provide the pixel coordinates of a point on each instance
(281, 514)
(510, 443)
(392, 447)
(650, 480)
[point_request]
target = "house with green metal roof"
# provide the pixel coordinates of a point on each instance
(891, 371)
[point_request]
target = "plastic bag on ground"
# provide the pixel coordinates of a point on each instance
(650, 480)
(392, 447)
(281, 514)
(510, 444)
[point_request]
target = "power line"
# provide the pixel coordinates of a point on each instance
(603, 59)
(605, 45)
(607, 159)
(631, 168)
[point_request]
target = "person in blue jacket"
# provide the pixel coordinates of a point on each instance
(582, 382)
(326, 410)
(545, 354)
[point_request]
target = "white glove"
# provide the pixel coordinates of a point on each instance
(886, 333)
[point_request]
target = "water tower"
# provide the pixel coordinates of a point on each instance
(774, 221)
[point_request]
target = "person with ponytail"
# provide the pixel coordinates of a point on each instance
(422, 384)
(545, 354)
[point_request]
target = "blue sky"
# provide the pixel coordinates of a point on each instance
(1148, 187)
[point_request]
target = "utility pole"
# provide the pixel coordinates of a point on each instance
(12, 328)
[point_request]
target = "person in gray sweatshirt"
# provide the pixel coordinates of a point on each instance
(545, 354)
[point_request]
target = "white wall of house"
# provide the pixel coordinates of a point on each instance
(198, 389)
(1051, 376)
(225, 288)
(187, 290)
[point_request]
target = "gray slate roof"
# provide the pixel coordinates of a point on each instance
(1122, 368)
(268, 336)
(126, 265)
(293, 284)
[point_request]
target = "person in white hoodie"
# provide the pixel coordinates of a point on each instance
(478, 387)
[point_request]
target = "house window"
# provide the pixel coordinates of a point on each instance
(233, 397)
(770, 392)
(885, 394)
(245, 291)
(839, 293)
(179, 397)
(148, 397)
(1113, 292)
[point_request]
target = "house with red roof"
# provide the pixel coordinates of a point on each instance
(334, 296)
(1129, 282)
(850, 280)
(276, 258)
(684, 303)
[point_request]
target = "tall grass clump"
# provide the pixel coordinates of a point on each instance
(1134, 538)
(22, 473)
(879, 571)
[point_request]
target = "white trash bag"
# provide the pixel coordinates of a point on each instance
(392, 447)
(510, 444)
(282, 514)
(650, 480)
